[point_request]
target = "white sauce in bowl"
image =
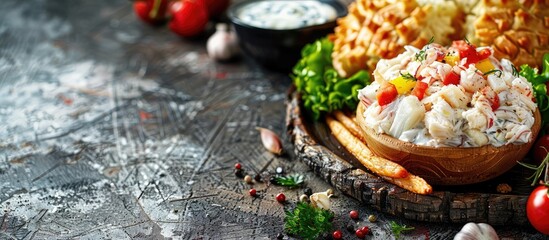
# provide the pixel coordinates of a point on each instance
(286, 14)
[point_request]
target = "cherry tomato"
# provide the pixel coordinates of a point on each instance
(540, 149)
(189, 17)
(151, 11)
(386, 93)
(537, 209)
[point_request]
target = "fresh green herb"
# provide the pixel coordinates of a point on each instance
(539, 81)
(397, 229)
(422, 55)
(515, 71)
(432, 40)
(308, 222)
(408, 76)
(497, 71)
(290, 181)
(467, 41)
(538, 170)
(321, 87)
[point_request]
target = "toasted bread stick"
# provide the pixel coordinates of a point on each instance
(376, 164)
(411, 183)
(350, 124)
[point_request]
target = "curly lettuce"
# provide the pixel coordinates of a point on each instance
(321, 87)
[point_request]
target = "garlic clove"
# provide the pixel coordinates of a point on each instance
(223, 44)
(270, 140)
(321, 200)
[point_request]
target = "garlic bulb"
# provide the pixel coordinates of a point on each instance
(321, 199)
(476, 231)
(223, 44)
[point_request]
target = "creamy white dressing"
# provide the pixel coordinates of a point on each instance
(286, 14)
(452, 115)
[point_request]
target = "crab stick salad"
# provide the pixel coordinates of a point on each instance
(460, 96)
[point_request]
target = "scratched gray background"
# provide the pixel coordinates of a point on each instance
(112, 129)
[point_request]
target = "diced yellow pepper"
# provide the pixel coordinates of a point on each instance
(485, 66)
(451, 59)
(403, 84)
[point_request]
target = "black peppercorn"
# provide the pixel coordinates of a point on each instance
(257, 178)
(308, 191)
(239, 173)
(350, 226)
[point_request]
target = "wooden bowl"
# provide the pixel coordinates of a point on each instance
(448, 165)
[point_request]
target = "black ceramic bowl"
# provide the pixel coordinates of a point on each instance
(279, 49)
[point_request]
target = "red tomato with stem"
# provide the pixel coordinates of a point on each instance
(151, 11)
(537, 209)
(189, 17)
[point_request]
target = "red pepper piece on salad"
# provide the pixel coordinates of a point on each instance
(469, 51)
(451, 78)
(484, 54)
(386, 93)
(420, 89)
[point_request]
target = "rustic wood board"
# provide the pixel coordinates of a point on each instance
(314, 145)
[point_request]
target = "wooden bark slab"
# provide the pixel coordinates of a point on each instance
(316, 147)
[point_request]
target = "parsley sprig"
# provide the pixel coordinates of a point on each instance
(291, 181)
(397, 229)
(308, 222)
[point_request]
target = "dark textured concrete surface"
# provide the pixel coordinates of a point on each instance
(113, 129)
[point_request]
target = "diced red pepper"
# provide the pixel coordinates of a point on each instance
(386, 93)
(469, 51)
(451, 78)
(419, 89)
(484, 54)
